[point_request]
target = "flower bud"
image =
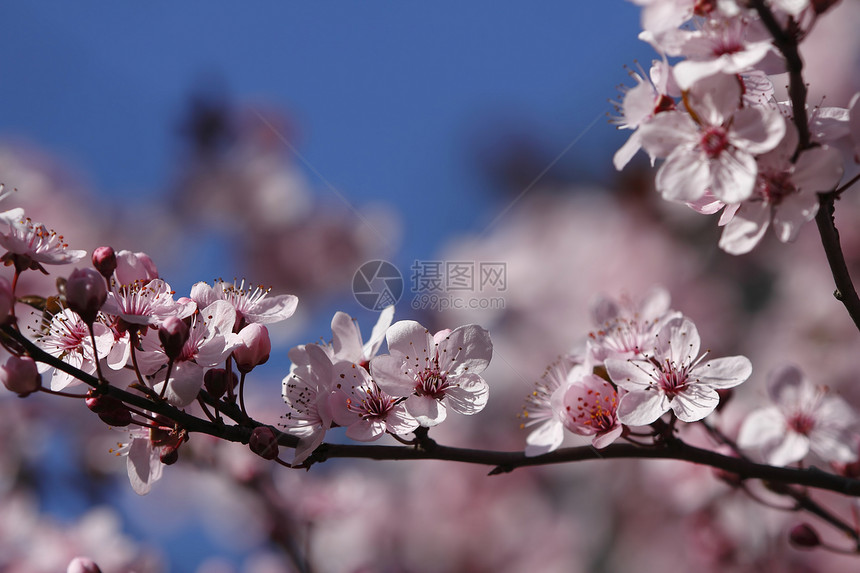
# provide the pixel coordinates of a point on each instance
(255, 347)
(264, 443)
(83, 565)
(117, 417)
(131, 267)
(86, 292)
(216, 382)
(173, 334)
(20, 375)
(7, 299)
(100, 403)
(169, 454)
(804, 537)
(104, 261)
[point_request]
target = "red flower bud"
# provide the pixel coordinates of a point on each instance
(264, 443)
(216, 382)
(173, 334)
(86, 292)
(803, 536)
(104, 261)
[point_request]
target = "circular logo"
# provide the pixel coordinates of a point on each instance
(377, 284)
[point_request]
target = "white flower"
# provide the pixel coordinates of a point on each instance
(435, 372)
(542, 409)
(67, 337)
(803, 418)
(146, 304)
(674, 376)
(347, 344)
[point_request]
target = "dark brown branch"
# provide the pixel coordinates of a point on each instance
(845, 291)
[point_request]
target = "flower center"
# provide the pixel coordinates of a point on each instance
(595, 410)
(776, 186)
(374, 406)
(801, 423)
(673, 381)
(432, 382)
(714, 141)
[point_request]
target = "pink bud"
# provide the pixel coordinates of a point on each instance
(20, 375)
(86, 292)
(255, 347)
(804, 537)
(104, 260)
(7, 299)
(83, 565)
(131, 267)
(264, 443)
(173, 334)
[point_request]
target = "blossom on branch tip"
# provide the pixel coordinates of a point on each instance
(803, 418)
(673, 376)
(30, 244)
(435, 372)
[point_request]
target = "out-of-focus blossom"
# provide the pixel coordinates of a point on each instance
(674, 376)
(435, 372)
(802, 418)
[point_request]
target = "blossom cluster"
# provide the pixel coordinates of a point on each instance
(346, 383)
(642, 361)
(728, 140)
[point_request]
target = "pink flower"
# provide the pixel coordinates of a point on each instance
(132, 267)
(627, 327)
(543, 408)
(785, 194)
(347, 343)
(366, 410)
(712, 147)
(146, 304)
(31, 244)
(306, 391)
(674, 376)
(252, 305)
(590, 406)
(435, 372)
(803, 418)
(67, 337)
(210, 341)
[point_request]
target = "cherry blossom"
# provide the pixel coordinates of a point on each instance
(364, 408)
(590, 406)
(802, 418)
(210, 341)
(627, 327)
(67, 337)
(674, 376)
(251, 304)
(347, 342)
(785, 194)
(142, 460)
(436, 371)
(133, 267)
(713, 146)
(31, 244)
(543, 408)
(306, 392)
(146, 304)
